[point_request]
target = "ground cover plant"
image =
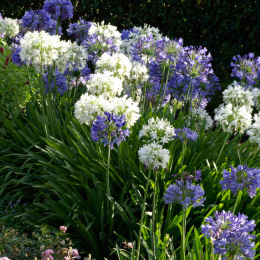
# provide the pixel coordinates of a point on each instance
(114, 141)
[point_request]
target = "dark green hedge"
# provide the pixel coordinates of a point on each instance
(225, 27)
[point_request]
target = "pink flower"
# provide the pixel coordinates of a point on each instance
(47, 254)
(63, 229)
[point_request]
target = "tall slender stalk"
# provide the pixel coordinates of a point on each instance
(236, 202)
(183, 235)
(222, 148)
(154, 215)
(30, 86)
(107, 176)
(142, 214)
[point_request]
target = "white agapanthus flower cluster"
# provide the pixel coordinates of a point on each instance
(104, 84)
(138, 73)
(233, 118)
(138, 33)
(9, 27)
(88, 107)
(42, 49)
(154, 155)
(105, 32)
(117, 63)
(254, 130)
(237, 95)
(157, 130)
(235, 115)
(198, 116)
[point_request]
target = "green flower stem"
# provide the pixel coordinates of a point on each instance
(57, 26)
(30, 86)
(154, 215)
(236, 202)
(142, 215)
(222, 148)
(107, 176)
(166, 81)
(183, 235)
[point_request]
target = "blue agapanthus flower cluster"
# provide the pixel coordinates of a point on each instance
(109, 129)
(241, 178)
(185, 193)
(186, 134)
(16, 59)
(246, 69)
(60, 82)
(62, 9)
(79, 30)
(194, 75)
(187, 70)
(39, 20)
(230, 235)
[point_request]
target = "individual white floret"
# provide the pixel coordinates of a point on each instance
(9, 27)
(157, 130)
(254, 130)
(237, 95)
(233, 119)
(153, 155)
(104, 83)
(117, 63)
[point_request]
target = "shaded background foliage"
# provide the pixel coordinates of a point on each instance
(225, 27)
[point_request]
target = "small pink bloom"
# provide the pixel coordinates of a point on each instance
(63, 229)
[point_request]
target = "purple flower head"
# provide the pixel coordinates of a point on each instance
(246, 68)
(1, 17)
(60, 80)
(109, 129)
(39, 20)
(186, 134)
(62, 9)
(79, 30)
(16, 56)
(241, 178)
(230, 234)
(125, 33)
(184, 193)
(194, 75)
(85, 72)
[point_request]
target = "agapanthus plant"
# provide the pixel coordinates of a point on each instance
(246, 69)
(153, 155)
(57, 83)
(185, 193)
(105, 84)
(59, 9)
(230, 235)
(157, 130)
(241, 178)
(79, 30)
(9, 27)
(254, 130)
(39, 20)
(185, 134)
(109, 129)
(102, 39)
